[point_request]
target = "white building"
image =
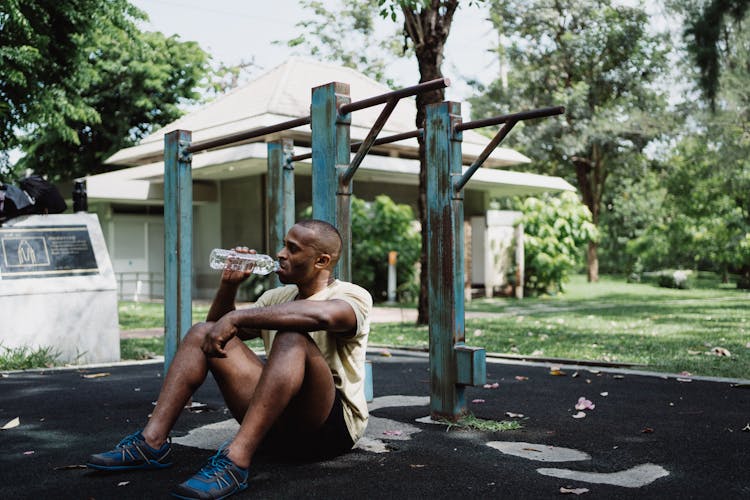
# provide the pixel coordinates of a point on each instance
(229, 183)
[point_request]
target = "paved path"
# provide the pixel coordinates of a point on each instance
(645, 437)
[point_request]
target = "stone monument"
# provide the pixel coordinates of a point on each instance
(58, 288)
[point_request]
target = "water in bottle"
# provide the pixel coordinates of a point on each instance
(229, 259)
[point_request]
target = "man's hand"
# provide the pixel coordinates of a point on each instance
(216, 339)
(234, 278)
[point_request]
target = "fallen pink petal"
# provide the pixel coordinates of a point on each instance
(580, 414)
(510, 414)
(478, 401)
(491, 386)
(584, 404)
(392, 433)
(574, 491)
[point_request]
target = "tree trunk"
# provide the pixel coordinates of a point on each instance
(428, 29)
(593, 262)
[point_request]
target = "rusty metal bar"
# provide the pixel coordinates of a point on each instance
(484, 154)
(385, 140)
(513, 117)
(372, 135)
(248, 134)
(439, 83)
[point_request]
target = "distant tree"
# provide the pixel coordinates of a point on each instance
(596, 58)
(85, 82)
(425, 26)
(708, 31)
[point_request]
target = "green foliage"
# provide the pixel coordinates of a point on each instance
(599, 60)
(126, 84)
(25, 358)
(555, 229)
(706, 34)
(379, 227)
(345, 34)
(40, 56)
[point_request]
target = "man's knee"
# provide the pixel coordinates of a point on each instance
(196, 334)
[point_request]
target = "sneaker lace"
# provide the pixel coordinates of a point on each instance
(129, 439)
(216, 464)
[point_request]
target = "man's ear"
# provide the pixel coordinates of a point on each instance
(323, 260)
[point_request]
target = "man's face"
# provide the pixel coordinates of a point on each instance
(297, 257)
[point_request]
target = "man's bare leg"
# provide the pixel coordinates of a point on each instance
(296, 382)
(186, 374)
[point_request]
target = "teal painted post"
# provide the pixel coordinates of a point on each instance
(444, 258)
(178, 241)
(280, 184)
(330, 159)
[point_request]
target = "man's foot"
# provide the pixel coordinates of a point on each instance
(132, 453)
(219, 478)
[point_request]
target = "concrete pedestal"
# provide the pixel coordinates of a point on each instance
(57, 288)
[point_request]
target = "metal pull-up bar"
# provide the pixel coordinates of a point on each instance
(248, 134)
(439, 83)
(509, 122)
(384, 140)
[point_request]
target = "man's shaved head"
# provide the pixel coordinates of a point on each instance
(328, 239)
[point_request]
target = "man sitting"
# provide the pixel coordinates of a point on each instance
(306, 401)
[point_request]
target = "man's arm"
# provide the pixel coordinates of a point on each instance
(335, 316)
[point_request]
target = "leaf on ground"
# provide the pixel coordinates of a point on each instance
(580, 414)
(491, 386)
(574, 491)
(647, 430)
(95, 375)
(70, 467)
(584, 404)
(11, 424)
(720, 351)
(556, 371)
(386, 353)
(521, 378)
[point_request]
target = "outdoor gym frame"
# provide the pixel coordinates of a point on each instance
(453, 365)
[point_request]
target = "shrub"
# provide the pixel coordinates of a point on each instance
(555, 230)
(378, 227)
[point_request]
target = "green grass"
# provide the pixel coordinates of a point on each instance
(24, 358)
(661, 329)
(479, 424)
(139, 315)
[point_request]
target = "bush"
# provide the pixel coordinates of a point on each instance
(378, 227)
(680, 279)
(555, 231)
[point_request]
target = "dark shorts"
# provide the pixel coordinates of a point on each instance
(331, 440)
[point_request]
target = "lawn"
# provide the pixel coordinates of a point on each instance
(660, 329)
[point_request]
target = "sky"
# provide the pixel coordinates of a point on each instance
(236, 30)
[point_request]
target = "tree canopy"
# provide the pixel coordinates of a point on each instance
(596, 58)
(83, 81)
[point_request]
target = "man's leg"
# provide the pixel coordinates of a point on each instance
(295, 389)
(237, 375)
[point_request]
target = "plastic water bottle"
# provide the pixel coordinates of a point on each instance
(229, 259)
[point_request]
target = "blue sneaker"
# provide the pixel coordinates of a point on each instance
(132, 453)
(219, 478)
